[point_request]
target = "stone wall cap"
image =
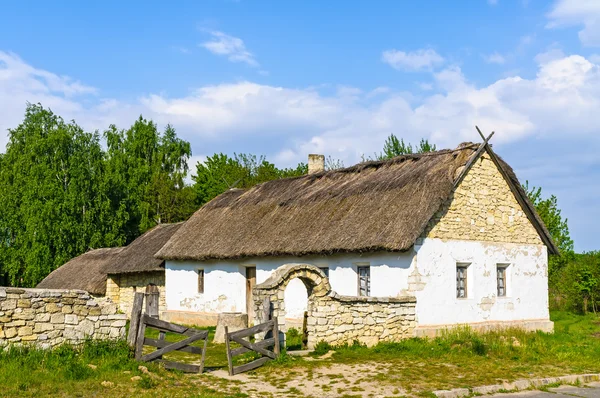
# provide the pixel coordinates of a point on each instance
(368, 299)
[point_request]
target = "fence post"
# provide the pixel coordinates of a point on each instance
(276, 336)
(134, 322)
(229, 359)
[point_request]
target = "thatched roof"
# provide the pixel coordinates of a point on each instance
(372, 206)
(84, 272)
(138, 256)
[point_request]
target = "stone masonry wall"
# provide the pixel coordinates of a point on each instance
(121, 288)
(483, 208)
(333, 318)
(47, 318)
(370, 320)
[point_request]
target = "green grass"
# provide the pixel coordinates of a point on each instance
(463, 358)
(459, 358)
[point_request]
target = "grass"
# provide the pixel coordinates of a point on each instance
(460, 358)
(463, 358)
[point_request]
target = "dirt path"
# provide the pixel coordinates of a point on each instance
(360, 380)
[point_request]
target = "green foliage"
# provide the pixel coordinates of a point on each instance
(322, 348)
(61, 194)
(293, 339)
(221, 172)
(394, 146)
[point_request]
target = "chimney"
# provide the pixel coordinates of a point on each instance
(316, 163)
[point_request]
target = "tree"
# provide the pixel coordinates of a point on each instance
(52, 206)
(395, 147)
(221, 172)
(145, 178)
(547, 209)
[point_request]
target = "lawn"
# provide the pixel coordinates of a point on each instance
(415, 367)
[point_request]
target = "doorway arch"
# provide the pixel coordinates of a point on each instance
(269, 296)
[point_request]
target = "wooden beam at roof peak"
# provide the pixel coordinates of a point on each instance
(473, 158)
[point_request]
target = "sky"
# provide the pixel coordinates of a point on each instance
(285, 79)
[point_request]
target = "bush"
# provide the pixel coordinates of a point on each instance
(322, 348)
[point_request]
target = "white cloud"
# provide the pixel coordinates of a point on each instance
(494, 58)
(584, 13)
(550, 55)
(288, 123)
(424, 59)
(230, 46)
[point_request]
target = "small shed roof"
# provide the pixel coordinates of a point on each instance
(84, 272)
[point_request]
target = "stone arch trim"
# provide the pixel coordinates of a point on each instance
(273, 289)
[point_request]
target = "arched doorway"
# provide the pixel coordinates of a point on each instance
(269, 296)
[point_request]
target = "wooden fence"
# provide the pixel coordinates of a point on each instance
(137, 339)
(271, 340)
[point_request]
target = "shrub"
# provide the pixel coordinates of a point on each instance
(322, 348)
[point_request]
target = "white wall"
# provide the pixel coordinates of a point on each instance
(527, 295)
(527, 283)
(225, 286)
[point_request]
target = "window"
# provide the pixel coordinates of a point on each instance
(501, 279)
(461, 280)
(200, 280)
(325, 271)
(364, 281)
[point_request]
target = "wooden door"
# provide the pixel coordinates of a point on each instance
(152, 300)
(250, 283)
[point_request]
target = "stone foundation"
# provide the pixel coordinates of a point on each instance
(530, 325)
(47, 318)
(121, 288)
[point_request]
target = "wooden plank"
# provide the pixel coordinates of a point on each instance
(276, 336)
(139, 343)
(134, 323)
(163, 343)
(229, 361)
(472, 160)
(263, 327)
(172, 347)
(184, 367)
(203, 354)
(263, 344)
(163, 325)
(253, 347)
(250, 365)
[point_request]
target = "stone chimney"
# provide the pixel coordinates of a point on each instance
(316, 163)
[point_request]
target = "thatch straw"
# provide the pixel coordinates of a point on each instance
(138, 256)
(372, 206)
(84, 272)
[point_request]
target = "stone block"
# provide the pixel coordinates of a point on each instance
(10, 333)
(24, 303)
(57, 318)
(8, 305)
(42, 317)
(67, 309)
(25, 331)
(30, 337)
(52, 308)
(71, 319)
(43, 327)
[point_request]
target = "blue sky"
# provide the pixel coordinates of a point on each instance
(285, 79)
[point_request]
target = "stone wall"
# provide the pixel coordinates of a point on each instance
(47, 318)
(121, 288)
(483, 208)
(370, 320)
(333, 318)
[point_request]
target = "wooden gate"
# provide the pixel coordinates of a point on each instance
(271, 340)
(137, 339)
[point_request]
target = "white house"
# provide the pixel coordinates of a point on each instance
(452, 228)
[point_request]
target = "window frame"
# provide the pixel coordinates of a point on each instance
(200, 280)
(465, 278)
(366, 267)
(504, 267)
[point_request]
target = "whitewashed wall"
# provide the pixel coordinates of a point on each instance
(435, 287)
(225, 281)
(527, 282)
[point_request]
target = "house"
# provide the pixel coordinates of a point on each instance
(84, 272)
(117, 273)
(136, 269)
(454, 229)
